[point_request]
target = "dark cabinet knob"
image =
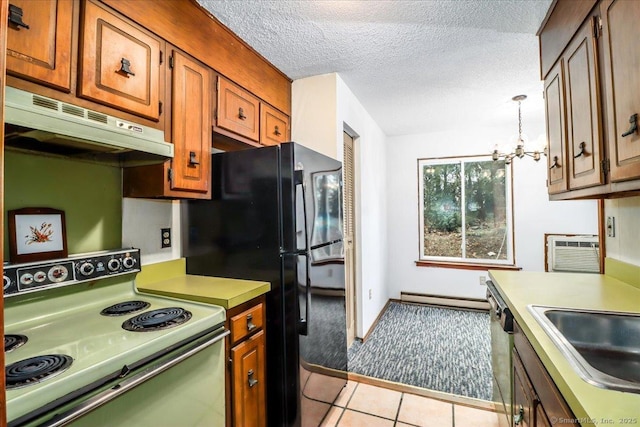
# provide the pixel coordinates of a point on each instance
(15, 17)
(241, 115)
(582, 147)
(276, 132)
(634, 125)
(192, 159)
(125, 67)
(252, 381)
(250, 325)
(555, 163)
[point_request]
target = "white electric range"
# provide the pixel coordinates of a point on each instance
(91, 350)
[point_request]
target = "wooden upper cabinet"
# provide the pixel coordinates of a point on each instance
(622, 85)
(584, 134)
(237, 110)
(191, 124)
(119, 62)
(274, 126)
(39, 41)
(556, 131)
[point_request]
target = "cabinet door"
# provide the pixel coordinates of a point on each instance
(120, 63)
(274, 126)
(522, 394)
(622, 84)
(556, 130)
(238, 110)
(191, 124)
(541, 417)
(583, 110)
(41, 49)
(248, 384)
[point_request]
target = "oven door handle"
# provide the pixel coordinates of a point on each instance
(126, 385)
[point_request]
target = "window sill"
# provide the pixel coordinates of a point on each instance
(466, 265)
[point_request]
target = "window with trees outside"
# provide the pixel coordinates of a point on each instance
(466, 211)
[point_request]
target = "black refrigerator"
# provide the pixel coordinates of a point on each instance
(276, 215)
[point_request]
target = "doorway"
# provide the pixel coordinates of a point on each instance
(349, 234)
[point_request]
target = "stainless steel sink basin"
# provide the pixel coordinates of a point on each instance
(602, 346)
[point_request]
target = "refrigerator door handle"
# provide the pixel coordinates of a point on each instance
(322, 245)
(303, 322)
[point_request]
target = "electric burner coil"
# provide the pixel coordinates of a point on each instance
(154, 320)
(13, 341)
(123, 308)
(31, 371)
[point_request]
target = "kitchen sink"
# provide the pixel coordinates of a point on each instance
(603, 347)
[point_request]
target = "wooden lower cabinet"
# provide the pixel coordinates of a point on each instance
(536, 399)
(248, 384)
(246, 352)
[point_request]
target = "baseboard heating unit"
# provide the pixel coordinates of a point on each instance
(445, 301)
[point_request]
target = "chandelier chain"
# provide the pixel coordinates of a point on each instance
(519, 122)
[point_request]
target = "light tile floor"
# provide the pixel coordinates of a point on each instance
(364, 405)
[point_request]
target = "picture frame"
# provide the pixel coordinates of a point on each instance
(36, 234)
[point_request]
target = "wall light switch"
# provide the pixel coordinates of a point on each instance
(611, 226)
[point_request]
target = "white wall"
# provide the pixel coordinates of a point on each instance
(370, 205)
(534, 215)
(624, 245)
(322, 107)
(314, 123)
(142, 220)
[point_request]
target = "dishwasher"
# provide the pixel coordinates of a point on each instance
(501, 347)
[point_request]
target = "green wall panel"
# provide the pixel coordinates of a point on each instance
(89, 194)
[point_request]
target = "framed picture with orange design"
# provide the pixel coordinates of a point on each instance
(36, 234)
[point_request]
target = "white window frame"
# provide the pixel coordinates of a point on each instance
(509, 244)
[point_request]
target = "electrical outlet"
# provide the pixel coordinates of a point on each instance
(165, 236)
(370, 293)
(611, 226)
(483, 280)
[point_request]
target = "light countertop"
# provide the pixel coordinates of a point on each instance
(169, 279)
(590, 404)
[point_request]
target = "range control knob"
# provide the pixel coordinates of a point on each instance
(87, 269)
(128, 262)
(58, 273)
(40, 276)
(113, 264)
(26, 279)
(5, 282)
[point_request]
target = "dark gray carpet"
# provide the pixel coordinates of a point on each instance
(441, 349)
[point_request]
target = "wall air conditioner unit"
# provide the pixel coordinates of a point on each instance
(578, 254)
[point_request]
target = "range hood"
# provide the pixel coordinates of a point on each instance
(41, 124)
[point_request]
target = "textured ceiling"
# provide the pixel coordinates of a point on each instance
(416, 66)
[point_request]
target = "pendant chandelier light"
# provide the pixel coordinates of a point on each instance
(519, 150)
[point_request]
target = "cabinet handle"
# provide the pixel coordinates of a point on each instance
(250, 325)
(555, 163)
(518, 418)
(192, 159)
(276, 132)
(241, 115)
(252, 381)
(124, 67)
(582, 146)
(634, 125)
(15, 17)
